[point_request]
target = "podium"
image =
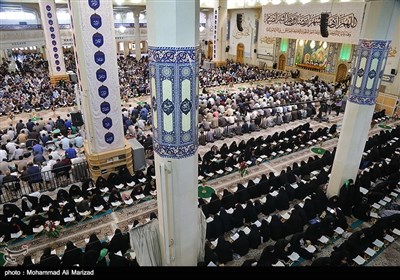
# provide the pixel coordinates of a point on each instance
(138, 155)
(102, 164)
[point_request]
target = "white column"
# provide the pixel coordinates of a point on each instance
(43, 52)
(367, 74)
(96, 63)
(220, 30)
(126, 48)
(173, 34)
(55, 55)
(138, 51)
(3, 54)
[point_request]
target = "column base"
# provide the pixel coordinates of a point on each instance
(102, 164)
(56, 78)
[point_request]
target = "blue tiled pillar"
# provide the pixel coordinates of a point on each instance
(173, 36)
(367, 74)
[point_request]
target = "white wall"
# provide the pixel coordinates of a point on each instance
(245, 37)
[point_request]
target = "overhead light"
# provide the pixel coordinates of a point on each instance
(305, 1)
(290, 2)
(201, 28)
(121, 28)
(312, 44)
(263, 2)
(251, 2)
(301, 43)
(344, 0)
(324, 45)
(276, 2)
(324, 1)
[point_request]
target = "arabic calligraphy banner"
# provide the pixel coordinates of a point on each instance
(300, 21)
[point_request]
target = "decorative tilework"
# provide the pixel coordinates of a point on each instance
(368, 71)
(174, 70)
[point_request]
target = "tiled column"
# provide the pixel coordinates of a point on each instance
(55, 55)
(367, 74)
(379, 26)
(173, 63)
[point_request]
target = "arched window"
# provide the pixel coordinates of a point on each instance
(18, 15)
(63, 16)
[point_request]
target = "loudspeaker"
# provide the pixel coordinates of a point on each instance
(324, 25)
(393, 72)
(76, 119)
(206, 42)
(274, 65)
(239, 18)
(255, 50)
(227, 49)
(72, 77)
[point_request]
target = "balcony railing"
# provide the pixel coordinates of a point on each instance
(44, 181)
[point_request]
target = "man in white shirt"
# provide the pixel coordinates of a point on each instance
(54, 154)
(11, 147)
(78, 141)
(51, 161)
(47, 175)
(19, 152)
(3, 155)
(65, 143)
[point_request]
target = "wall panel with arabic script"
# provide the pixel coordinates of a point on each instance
(242, 29)
(303, 21)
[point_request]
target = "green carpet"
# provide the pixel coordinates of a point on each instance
(356, 224)
(16, 241)
(205, 192)
(2, 259)
(384, 126)
(318, 151)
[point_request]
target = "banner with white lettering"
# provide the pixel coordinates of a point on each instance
(300, 21)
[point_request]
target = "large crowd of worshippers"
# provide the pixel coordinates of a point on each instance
(221, 114)
(232, 228)
(25, 84)
(252, 105)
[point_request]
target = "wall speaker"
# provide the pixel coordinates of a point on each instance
(324, 25)
(239, 19)
(255, 50)
(393, 72)
(206, 42)
(227, 49)
(77, 119)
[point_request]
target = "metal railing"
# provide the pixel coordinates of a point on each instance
(43, 181)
